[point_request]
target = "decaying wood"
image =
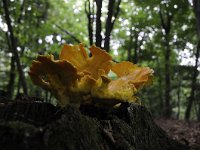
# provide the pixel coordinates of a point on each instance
(37, 125)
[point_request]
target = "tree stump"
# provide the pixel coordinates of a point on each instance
(37, 125)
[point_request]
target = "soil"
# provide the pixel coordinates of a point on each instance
(182, 131)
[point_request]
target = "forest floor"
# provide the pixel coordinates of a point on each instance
(185, 132)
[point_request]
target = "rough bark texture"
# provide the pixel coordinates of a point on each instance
(38, 125)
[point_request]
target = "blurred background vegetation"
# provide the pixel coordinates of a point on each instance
(161, 34)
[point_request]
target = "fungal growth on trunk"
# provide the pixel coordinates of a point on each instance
(77, 78)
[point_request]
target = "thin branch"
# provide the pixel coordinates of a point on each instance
(162, 19)
(70, 34)
(21, 12)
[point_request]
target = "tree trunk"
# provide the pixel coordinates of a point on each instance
(167, 78)
(98, 23)
(135, 59)
(113, 11)
(193, 88)
(109, 25)
(196, 8)
(130, 44)
(14, 47)
(128, 127)
(90, 20)
(11, 83)
(166, 25)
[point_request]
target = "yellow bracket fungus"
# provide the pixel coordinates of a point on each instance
(75, 77)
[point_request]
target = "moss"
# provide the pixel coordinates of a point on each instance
(74, 131)
(16, 134)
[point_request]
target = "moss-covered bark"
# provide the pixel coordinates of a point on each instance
(32, 125)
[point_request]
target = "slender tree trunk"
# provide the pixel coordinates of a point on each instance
(167, 78)
(160, 84)
(113, 11)
(10, 86)
(14, 47)
(130, 44)
(90, 20)
(135, 59)
(166, 19)
(11, 82)
(196, 8)
(98, 23)
(178, 98)
(109, 25)
(193, 88)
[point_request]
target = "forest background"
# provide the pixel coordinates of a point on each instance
(161, 34)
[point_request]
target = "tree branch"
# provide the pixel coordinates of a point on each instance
(70, 34)
(21, 11)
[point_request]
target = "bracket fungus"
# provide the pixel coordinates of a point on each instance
(77, 77)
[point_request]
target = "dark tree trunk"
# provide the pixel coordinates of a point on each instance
(90, 17)
(193, 88)
(167, 79)
(130, 44)
(14, 47)
(113, 11)
(178, 98)
(11, 83)
(166, 25)
(160, 84)
(98, 23)
(109, 25)
(196, 8)
(135, 59)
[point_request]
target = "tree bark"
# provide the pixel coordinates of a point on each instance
(196, 9)
(166, 25)
(128, 127)
(167, 79)
(11, 83)
(98, 23)
(14, 47)
(135, 58)
(193, 87)
(113, 11)
(130, 44)
(90, 20)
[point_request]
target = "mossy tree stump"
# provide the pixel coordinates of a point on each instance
(38, 125)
